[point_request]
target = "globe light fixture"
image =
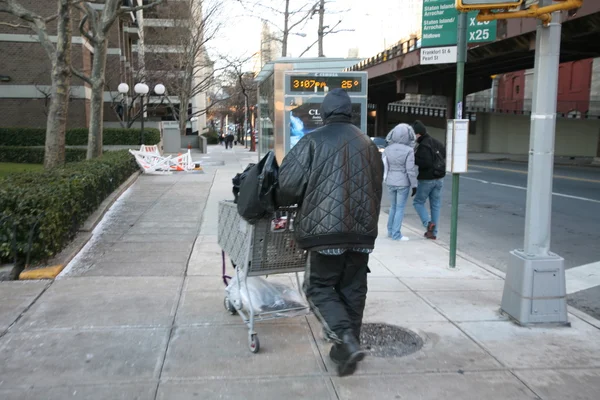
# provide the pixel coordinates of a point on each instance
(159, 89)
(141, 88)
(123, 88)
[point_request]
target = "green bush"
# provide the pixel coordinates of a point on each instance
(212, 136)
(61, 199)
(77, 137)
(35, 155)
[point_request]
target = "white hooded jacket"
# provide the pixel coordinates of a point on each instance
(399, 157)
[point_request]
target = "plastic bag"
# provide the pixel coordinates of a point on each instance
(256, 197)
(266, 296)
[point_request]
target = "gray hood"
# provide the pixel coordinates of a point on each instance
(402, 134)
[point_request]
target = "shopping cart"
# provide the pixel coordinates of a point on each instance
(265, 248)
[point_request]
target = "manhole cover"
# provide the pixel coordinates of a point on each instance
(382, 340)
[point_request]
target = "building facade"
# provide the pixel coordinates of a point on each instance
(25, 69)
(137, 41)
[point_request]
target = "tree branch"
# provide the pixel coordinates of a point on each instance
(15, 25)
(81, 76)
(325, 33)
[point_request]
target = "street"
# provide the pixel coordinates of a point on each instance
(492, 211)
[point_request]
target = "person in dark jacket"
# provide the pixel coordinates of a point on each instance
(334, 174)
(431, 180)
(229, 140)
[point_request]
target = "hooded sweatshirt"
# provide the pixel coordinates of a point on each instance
(399, 157)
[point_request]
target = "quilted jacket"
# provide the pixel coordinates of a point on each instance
(335, 176)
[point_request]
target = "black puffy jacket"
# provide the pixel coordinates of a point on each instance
(424, 156)
(335, 175)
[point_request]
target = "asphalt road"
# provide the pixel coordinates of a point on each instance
(492, 210)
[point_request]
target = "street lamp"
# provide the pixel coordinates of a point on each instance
(142, 89)
(124, 89)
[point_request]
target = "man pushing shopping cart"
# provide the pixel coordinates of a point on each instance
(334, 174)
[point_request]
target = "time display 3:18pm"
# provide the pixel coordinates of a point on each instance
(312, 84)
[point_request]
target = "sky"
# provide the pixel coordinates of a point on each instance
(369, 25)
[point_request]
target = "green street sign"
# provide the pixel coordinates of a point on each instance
(440, 24)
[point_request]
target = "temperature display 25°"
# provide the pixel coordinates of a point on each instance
(318, 84)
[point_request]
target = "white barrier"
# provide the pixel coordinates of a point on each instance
(152, 162)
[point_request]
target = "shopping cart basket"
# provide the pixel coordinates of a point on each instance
(265, 248)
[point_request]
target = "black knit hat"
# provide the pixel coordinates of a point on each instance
(419, 128)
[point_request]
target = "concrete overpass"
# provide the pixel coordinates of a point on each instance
(397, 71)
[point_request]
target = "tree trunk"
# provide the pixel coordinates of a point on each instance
(184, 102)
(286, 33)
(56, 124)
(96, 125)
(321, 22)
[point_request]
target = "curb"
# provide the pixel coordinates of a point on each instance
(496, 272)
(62, 259)
(97, 215)
(591, 164)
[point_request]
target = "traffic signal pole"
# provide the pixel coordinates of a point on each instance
(535, 288)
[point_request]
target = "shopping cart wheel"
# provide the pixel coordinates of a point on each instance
(254, 343)
(229, 307)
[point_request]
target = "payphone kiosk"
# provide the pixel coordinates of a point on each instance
(290, 93)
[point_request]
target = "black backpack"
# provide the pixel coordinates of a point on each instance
(439, 159)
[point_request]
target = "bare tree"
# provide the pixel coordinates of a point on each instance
(292, 18)
(187, 71)
(47, 94)
(95, 26)
(60, 58)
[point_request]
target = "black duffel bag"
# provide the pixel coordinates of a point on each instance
(237, 181)
(256, 197)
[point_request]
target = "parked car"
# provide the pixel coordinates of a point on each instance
(380, 142)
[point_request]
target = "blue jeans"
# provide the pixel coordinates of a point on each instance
(398, 197)
(432, 190)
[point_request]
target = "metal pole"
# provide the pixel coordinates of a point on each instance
(142, 122)
(460, 81)
(543, 126)
(535, 287)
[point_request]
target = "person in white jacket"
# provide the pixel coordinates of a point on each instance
(400, 175)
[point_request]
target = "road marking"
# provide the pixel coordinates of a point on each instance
(570, 178)
(568, 196)
(583, 277)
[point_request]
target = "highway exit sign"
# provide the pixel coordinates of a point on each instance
(440, 24)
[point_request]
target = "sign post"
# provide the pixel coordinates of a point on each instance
(446, 35)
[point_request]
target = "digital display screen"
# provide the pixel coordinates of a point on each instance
(318, 83)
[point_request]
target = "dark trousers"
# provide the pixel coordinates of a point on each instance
(336, 288)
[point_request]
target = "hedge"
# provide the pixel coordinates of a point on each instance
(62, 198)
(35, 155)
(212, 136)
(77, 137)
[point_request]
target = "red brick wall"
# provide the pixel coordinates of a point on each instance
(31, 113)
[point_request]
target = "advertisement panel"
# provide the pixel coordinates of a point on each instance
(306, 117)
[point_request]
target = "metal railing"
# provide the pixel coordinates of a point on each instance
(564, 108)
(398, 49)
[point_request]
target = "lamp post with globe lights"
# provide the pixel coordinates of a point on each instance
(142, 90)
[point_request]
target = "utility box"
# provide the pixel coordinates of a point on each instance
(171, 137)
(535, 290)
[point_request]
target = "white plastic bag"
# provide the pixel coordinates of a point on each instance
(265, 296)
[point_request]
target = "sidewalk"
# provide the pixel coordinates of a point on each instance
(138, 314)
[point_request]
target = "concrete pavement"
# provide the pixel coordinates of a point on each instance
(138, 314)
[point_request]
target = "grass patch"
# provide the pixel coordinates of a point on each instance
(14, 168)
